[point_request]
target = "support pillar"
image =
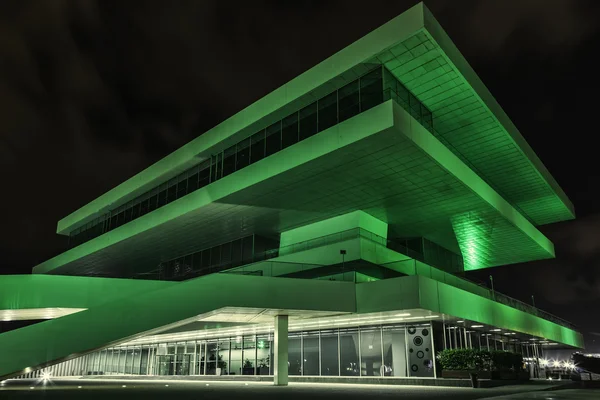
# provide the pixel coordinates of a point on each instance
(280, 351)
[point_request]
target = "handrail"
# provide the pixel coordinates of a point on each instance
(359, 232)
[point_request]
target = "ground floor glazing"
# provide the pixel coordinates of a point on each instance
(387, 350)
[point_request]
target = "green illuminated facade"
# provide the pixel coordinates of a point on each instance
(322, 231)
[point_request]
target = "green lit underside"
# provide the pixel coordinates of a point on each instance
(382, 162)
(417, 50)
(117, 321)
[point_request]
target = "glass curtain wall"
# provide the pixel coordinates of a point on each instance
(372, 88)
(373, 351)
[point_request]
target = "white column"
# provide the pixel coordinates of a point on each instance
(280, 351)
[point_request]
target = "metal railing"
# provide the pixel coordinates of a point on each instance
(420, 268)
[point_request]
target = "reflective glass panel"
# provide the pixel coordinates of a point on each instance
(294, 354)
(310, 356)
(329, 353)
(394, 352)
(349, 352)
(370, 352)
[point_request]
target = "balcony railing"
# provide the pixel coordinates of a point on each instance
(410, 267)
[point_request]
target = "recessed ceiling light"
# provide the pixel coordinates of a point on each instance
(476, 326)
(495, 330)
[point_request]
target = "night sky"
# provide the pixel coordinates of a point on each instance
(92, 92)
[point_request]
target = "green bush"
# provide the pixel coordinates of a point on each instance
(479, 360)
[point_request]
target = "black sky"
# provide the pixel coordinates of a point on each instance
(92, 92)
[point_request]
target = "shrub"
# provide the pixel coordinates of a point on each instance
(505, 360)
(479, 360)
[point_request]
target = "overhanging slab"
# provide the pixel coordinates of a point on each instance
(381, 161)
(417, 50)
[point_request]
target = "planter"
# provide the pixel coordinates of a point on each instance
(262, 371)
(464, 374)
(248, 371)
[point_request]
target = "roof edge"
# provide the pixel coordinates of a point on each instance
(405, 24)
(439, 35)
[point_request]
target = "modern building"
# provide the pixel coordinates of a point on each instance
(323, 231)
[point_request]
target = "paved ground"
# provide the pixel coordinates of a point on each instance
(182, 390)
(566, 394)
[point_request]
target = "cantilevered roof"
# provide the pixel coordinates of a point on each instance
(154, 311)
(381, 161)
(418, 51)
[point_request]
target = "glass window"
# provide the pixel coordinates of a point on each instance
(162, 197)
(371, 89)
(327, 111)
(348, 98)
(236, 252)
(135, 211)
(197, 261)
(215, 256)
(153, 203)
(415, 107)
(289, 131)
(257, 146)
(187, 264)
(229, 161)
(389, 85)
(120, 218)
(137, 355)
(200, 358)
(349, 352)
(310, 344)
(115, 361)
(122, 356)
(102, 361)
(204, 176)
(211, 351)
(273, 139)
(144, 361)
(192, 182)
(242, 158)
(329, 353)
(235, 364)
(223, 355)
(182, 186)
(403, 95)
(308, 121)
(172, 192)
(263, 354)
(206, 259)
(128, 213)
(294, 354)
(216, 168)
(394, 352)
(249, 355)
(129, 361)
(247, 248)
(370, 352)
(426, 118)
(226, 253)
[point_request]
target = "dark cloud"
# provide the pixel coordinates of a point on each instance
(546, 25)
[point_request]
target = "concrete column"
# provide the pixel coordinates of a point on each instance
(280, 351)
